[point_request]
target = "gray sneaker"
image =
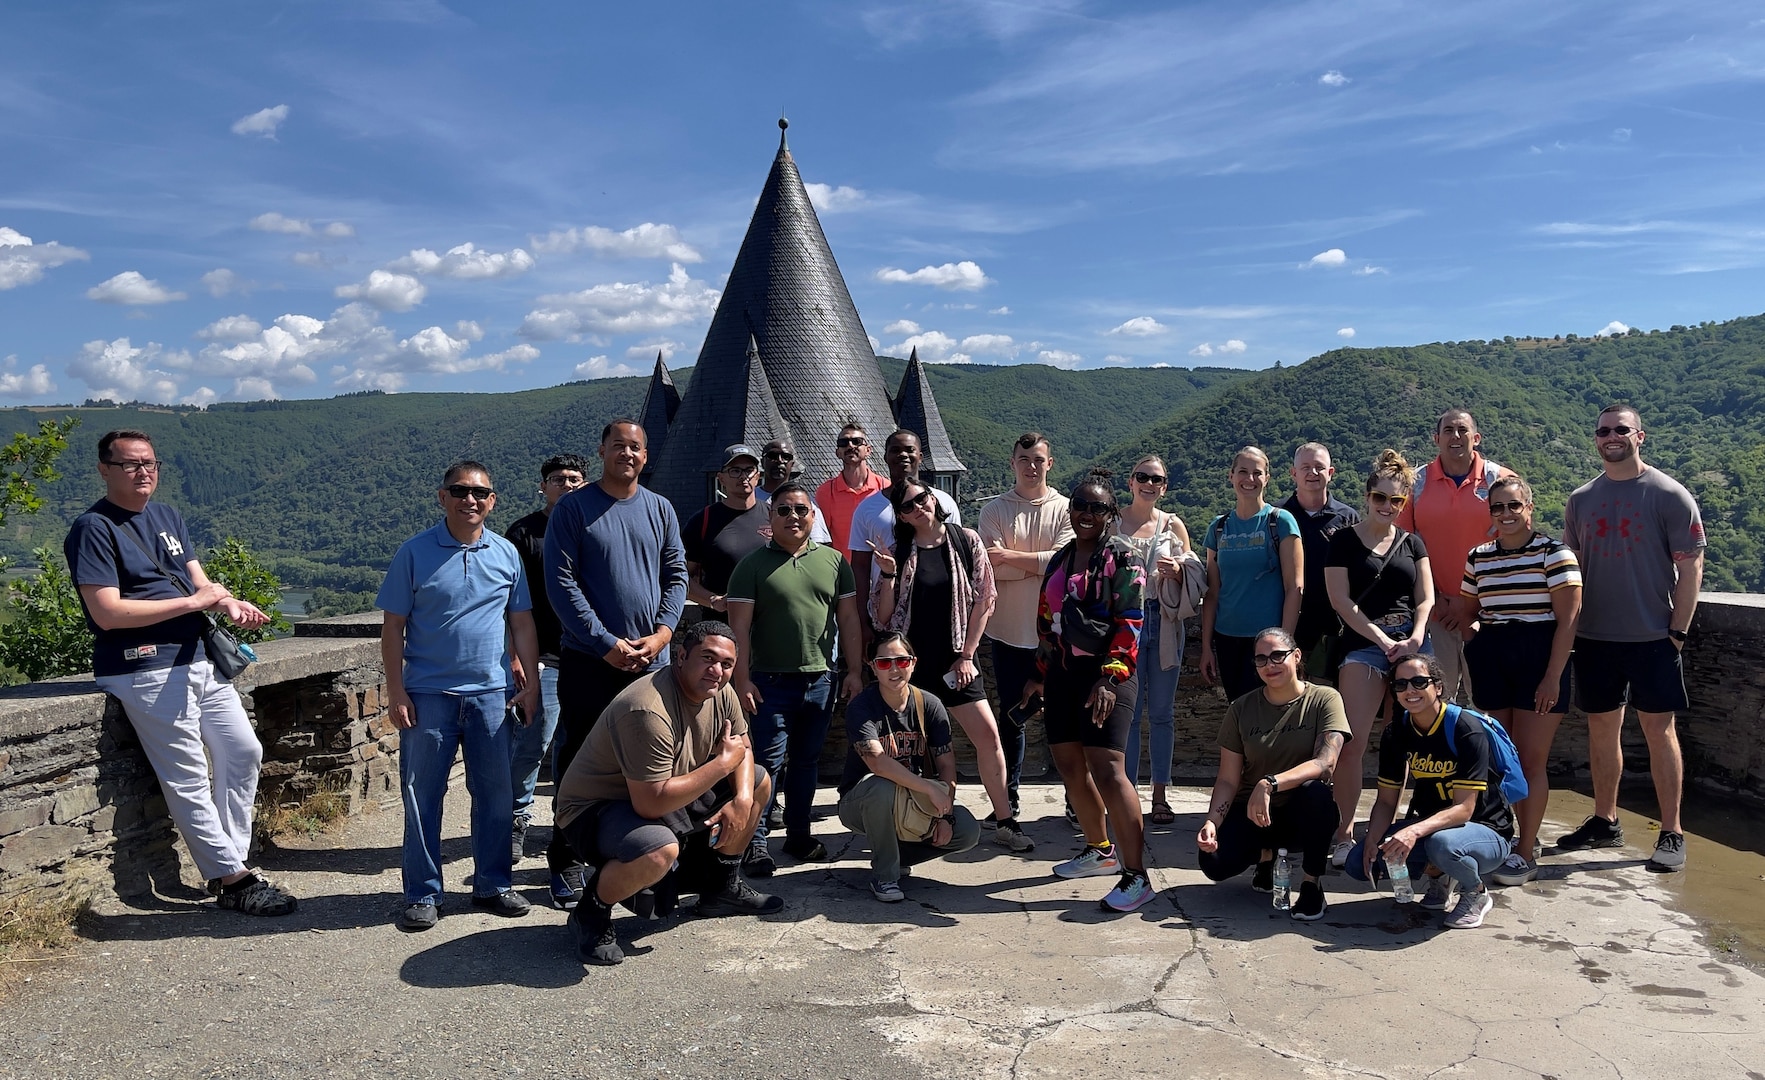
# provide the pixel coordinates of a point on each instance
(1669, 854)
(1472, 906)
(1439, 894)
(1515, 870)
(257, 895)
(1010, 835)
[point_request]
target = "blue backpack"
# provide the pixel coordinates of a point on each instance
(1504, 757)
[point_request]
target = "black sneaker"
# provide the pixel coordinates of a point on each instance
(775, 819)
(591, 928)
(757, 862)
(253, 895)
(805, 848)
(419, 917)
(567, 887)
(1263, 881)
(518, 839)
(1311, 904)
(1595, 832)
(1669, 854)
(509, 905)
(738, 898)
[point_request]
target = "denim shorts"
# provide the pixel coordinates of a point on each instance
(1374, 657)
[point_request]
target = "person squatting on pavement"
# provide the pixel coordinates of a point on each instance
(664, 796)
(145, 598)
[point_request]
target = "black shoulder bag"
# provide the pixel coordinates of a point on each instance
(228, 654)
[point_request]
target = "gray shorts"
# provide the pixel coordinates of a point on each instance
(613, 831)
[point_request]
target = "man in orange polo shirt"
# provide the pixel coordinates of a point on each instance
(838, 497)
(1450, 509)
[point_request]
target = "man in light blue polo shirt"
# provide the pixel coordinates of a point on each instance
(445, 649)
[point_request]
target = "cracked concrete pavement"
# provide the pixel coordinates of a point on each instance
(992, 968)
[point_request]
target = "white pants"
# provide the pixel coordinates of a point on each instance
(177, 712)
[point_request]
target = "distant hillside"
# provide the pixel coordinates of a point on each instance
(327, 489)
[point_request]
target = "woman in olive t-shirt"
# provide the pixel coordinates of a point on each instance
(1277, 752)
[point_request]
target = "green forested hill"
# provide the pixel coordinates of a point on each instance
(326, 490)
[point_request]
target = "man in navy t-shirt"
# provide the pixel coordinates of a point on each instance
(145, 596)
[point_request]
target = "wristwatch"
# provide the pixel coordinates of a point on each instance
(1677, 635)
(1274, 784)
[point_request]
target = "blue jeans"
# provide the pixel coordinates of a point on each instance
(528, 745)
(445, 724)
(1157, 698)
(1464, 854)
(791, 726)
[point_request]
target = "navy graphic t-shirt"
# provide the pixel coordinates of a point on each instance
(100, 552)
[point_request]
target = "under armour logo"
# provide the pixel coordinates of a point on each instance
(172, 546)
(1600, 527)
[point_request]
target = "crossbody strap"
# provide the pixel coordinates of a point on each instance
(151, 557)
(1390, 553)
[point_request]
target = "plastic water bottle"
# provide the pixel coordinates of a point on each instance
(1283, 881)
(1401, 889)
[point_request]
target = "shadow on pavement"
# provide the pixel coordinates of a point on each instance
(536, 955)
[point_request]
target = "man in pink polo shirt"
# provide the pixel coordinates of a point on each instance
(838, 497)
(1450, 509)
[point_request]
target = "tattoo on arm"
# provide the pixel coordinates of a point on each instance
(1223, 808)
(1327, 751)
(870, 748)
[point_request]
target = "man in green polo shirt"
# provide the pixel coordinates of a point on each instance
(785, 602)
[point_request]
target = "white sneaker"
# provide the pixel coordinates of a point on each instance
(1131, 892)
(1516, 869)
(1439, 894)
(1091, 862)
(1468, 915)
(1339, 853)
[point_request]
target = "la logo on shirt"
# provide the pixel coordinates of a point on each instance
(172, 546)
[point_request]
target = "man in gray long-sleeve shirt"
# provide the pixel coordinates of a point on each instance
(615, 573)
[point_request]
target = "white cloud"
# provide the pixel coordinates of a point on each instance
(1369, 269)
(309, 259)
(990, 345)
(201, 397)
(23, 262)
(231, 328)
(118, 371)
(262, 123)
(339, 230)
(832, 200)
(1203, 349)
(646, 241)
(129, 287)
(596, 367)
(1345, 332)
(1160, 364)
(902, 326)
(273, 222)
(1117, 360)
(647, 350)
(1334, 78)
(934, 346)
(222, 281)
(1612, 329)
(1140, 326)
(622, 308)
(23, 384)
(1333, 257)
(254, 389)
(1059, 358)
(1233, 346)
(959, 275)
(999, 311)
(466, 262)
(386, 290)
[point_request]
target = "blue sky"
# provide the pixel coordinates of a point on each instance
(222, 201)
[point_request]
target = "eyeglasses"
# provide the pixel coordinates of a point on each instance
(1503, 507)
(740, 472)
(136, 466)
(897, 663)
(460, 491)
(1379, 498)
(569, 480)
(791, 510)
(1618, 429)
(1419, 682)
(1086, 506)
(1279, 656)
(1148, 478)
(851, 440)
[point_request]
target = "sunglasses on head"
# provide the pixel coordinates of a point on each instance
(1086, 506)
(791, 510)
(1417, 682)
(460, 491)
(1379, 498)
(1148, 478)
(1279, 656)
(851, 440)
(1503, 507)
(1616, 429)
(885, 663)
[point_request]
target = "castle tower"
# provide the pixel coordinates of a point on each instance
(917, 411)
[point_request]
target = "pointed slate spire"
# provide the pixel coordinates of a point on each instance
(917, 411)
(764, 422)
(660, 404)
(785, 293)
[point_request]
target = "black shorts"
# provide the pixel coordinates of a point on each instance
(1508, 661)
(1066, 717)
(1646, 674)
(613, 831)
(929, 676)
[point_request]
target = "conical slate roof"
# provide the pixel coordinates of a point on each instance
(785, 295)
(917, 411)
(660, 404)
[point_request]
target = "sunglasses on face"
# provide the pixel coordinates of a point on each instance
(460, 491)
(898, 663)
(1379, 498)
(1086, 506)
(1498, 508)
(778, 455)
(925, 500)
(1618, 429)
(851, 440)
(1279, 656)
(1148, 478)
(1418, 682)
(791, 510)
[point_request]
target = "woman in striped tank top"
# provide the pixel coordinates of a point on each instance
(1526, 588)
